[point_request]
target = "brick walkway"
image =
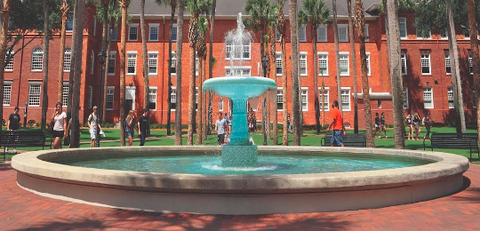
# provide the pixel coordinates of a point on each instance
(22, 210)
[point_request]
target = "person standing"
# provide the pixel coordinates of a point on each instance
(377, 126)
(143, 126)
(409, 120)
(129, 126)
(382, 125)
(416, 124)
(337, 125)
(426, 122)
(220, 128)
(59, 119)
(13, 125)
(93, 124)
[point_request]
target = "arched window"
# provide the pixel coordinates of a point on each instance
(67, 59)
(37, 59)
(92, 62)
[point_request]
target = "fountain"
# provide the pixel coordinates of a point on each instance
(194, 179)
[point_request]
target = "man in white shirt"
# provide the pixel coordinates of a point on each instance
(220, 127)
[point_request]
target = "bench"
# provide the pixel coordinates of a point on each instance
(349, 140)
(454, 141)
(23, 139)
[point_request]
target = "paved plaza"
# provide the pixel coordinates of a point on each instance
(22, 210)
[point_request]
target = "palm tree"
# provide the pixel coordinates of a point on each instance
(393, 43)
(337, 55)
(144, 56)
(353, 55)
(210, 67)
(282, 31)
(123, 42)
(46, 45)
(178, 66)
(360, 26)
(273, 48)
(202, 57)
(296, 110)
(476, 60)
(64, 10)
(315, 13)
(5, 6)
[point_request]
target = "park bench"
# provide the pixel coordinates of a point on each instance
(454, 141)
(349, 140)
(10, 139)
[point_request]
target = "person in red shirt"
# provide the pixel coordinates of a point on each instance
(337, 125)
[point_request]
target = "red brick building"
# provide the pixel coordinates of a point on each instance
(425, 61)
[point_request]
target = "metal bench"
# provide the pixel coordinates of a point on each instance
(23, 139)
(349, 140)
(454, 141)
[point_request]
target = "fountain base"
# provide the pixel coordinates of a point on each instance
(239, 156)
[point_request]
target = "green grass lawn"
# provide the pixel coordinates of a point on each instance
(159, 137)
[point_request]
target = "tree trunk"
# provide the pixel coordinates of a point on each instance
(123, 41)
(5, 8)
(169, 94)
(282, 31)
(353, 55)
(394, 52)
(192, 37)
(46, 43)
(78, 22)
(273, 50)
(105, 73)
(145, 55)
(264, 101)
(210, 66)
(456, 77)
(200, 102)
(475, 56)
(64, 14)
(204, 95)
(178, 66)
(296, 110)
(360, 25)
(337, 55)
(315, 77)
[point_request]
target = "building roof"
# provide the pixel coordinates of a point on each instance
(231, 8)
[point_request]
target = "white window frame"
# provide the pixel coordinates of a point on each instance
(451, 102)
(9, 65)
(326, 59)
(173, 97)
(404, 27)
(304, 89)
(153, 53)
(175, 32)
(232, 47)
(150, 27)
(90, 97)
(277, 35)
(92, 62)
(470, 63)
(220, 104)
(110, 92)
(365, 33)
(150, 94)
(340, 28)
(302, 33)
(326, 98)
(442, 35)
(474, 99)
(37, 66)
(322, 28)
(344, 54)
(114, 55)
(65, 91)
(466, 34)
(431, 90)
(174, 63)
(30, 95)
(349, 98)
(69, 20)
(67, 55)
(305, 55)
(135, 62)
(448, 63)
(7, 93)
(133, 25)
(405, 94)
(278, 58)
(239, 68)
(277, 95)
(369, 69)
(429, 63)
(403, 58)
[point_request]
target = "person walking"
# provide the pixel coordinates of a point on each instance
(93, 124)
(409, 120)
(130, 126)
(382, 125)
(220, 128)
(426, 122)
(416, 124)
(13, 125)
(59, 120)
(377, 126)
(337, 125)
(143, 126)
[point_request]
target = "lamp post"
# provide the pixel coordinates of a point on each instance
(265, 61)
(102, 56)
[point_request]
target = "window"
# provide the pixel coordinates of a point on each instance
(450, 97)
(343, 33)
(90, 97)
(365, 33)
(237, 51)
(467, 34)
(133, 32)
(110, 97)
(474, 99)
(220, 104)
(111, 62)
(238, 71)
(304, 98)
(470, 63)
(174, 32)
(345, 95)
(425, 60)
(94, 25)
(279, 99)
(7, 93)
(344, 64)
(65, 91)
(92, 62)
(131, 63)
(173, 98)
(153, 32)
(67, 59)
(152, 63)
(379, 103)
(420, 35)
(326, 98)
(448, 67)
(70, 21)
(368, 64)
(444, 34)
(34, 94)
(152, 98)
(278, 63)
(405, 95)
(322, 64)
(427, 98)
(196, 98)
(402, 23)
(114, 33)
(37, 59)
(322, 33)
(9, 65)
(302, 33)
(303, 64)
(404, 63)
(277, 35)
(173, 65)
(196, 64)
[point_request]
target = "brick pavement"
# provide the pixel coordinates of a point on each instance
(22, 210)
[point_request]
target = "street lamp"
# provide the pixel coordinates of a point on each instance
(102, 56)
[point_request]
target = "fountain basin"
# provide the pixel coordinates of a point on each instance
(238, 194)
(239, 87)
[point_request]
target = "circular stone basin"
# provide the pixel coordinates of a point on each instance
(264, 193)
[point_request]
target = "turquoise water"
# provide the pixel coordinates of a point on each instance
(267, 164)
